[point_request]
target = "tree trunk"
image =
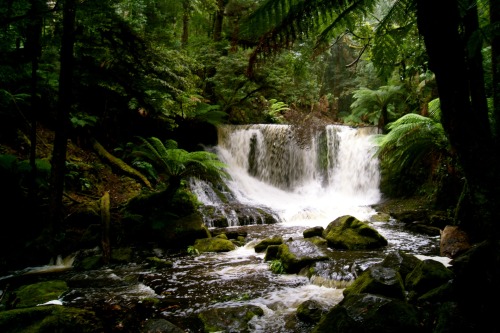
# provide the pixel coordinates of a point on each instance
(465, 126)
(495, 61)
(219, 19)
(34, 47)
(186, 14)
(62, 121)
(105, 226)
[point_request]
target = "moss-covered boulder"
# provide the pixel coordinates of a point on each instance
(39, 293)
(263, 244)
(370, 313)
(213, 244)
(402, 262)
(183, 231)
(159, 263)
(310, 311)
(378, 280)
(428, 274)
(230, 319)
(297, 254)
(52, 318)
(271, 252)
(312, 232)
(349, 233)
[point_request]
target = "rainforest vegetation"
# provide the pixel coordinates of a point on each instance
(142, 85)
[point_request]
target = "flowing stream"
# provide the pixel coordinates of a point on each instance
(302, 184)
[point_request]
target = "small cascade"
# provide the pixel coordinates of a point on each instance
(275, 179)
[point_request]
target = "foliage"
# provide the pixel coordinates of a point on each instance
(414, 149)
(275, 111)
(277, 267)
(191, 250)
(370, 105)
(177, 164)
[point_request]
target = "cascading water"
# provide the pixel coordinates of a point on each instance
(334, 173)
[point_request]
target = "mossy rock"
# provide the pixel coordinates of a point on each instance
(262, 245)
(297, 254)
(159, 263)
(310, 311)
(349, 233)
(121, 255)
(378, 280)
(428, 274)
(39, 293)
(213, 245)
(312, 232)
(230, 319)
(52, 318)
(271, 253)
(369, 313)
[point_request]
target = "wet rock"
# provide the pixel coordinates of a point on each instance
(160, 326)
(213, 245)
(454, 241)
(296, 254)
(50, 319)
(428, 274)
(229, 319)
(378, 280)
(311, 232)
(271, 252)
(39, 293)
(347, 232)
(402, 262)
(262, 245)
(370, 314)
(310, 311)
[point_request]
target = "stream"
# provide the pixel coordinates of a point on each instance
(334, 174)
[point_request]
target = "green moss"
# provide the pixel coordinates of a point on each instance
(39, 293)
(49, 319)
(213, 245)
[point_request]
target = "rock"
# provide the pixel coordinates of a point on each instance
(262, 245)
(160, 326)
(213, 245)
(297, 254)
(349, 233)
(378, 280)
(310, 311)
(230, 319)
(271, 252)
(402, 262)
(454, 241)
(369, 313)
(311, 232)
(428, 274)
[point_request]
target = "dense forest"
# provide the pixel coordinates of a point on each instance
(104, 103)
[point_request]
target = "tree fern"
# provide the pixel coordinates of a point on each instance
(413, 141)
(176, 164)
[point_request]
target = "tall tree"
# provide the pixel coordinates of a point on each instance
(62, 122)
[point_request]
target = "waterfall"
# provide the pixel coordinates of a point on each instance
(311, 183)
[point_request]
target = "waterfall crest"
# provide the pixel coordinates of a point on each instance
(311, 183)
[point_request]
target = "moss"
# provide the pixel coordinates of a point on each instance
(213, 245)
(49, 319)
(262, 245)
(159, 263)
(349, 233)
(39, 293)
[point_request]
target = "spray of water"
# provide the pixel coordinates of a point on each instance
(334, 174)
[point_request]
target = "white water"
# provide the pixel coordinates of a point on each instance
(269, 169)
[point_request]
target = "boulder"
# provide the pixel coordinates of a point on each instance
(454, 241)
(213, 245)
(349, 233)
(378, 280)
(428, 274)
(297, 254)
(262, 245)
(229, 319)
(311, 232)
(370, 313)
